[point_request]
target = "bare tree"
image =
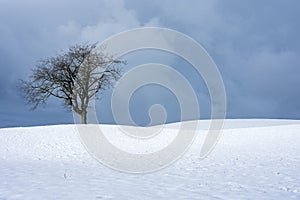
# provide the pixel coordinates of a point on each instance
(75, 76)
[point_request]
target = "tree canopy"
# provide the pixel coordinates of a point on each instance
(74, 76)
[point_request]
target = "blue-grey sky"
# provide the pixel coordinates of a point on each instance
(255, 45)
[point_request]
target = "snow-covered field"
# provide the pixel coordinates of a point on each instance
(254, 159)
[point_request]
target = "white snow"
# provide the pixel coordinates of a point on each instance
(254, 159)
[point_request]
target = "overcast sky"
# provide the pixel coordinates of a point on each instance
(255, 45)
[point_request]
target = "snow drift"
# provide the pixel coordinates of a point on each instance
(254, 159)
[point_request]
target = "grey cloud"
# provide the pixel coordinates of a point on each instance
(254, 44)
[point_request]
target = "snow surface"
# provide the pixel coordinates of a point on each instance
(254, 159)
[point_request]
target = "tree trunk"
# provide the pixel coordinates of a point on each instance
(83, 117)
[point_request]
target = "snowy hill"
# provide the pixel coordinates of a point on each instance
(254, 159)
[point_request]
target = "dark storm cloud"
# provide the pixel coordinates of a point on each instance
(255, 45)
